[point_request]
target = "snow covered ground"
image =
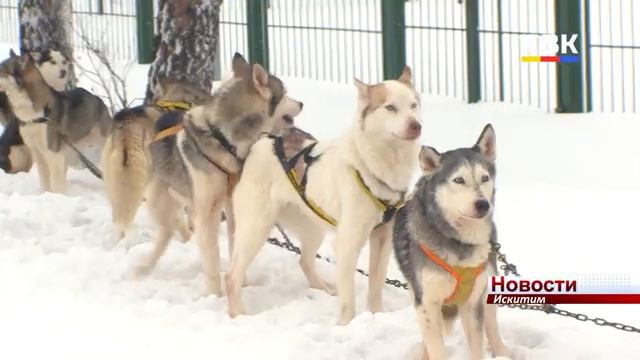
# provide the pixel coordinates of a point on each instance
(568, 189)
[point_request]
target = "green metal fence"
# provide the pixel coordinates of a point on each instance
(468, 49)
(613, 42)
(111, 25)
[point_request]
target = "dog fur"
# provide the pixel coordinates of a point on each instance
(195, 169)
(75, 116)
(382, 145)
(126, 160)
(451, 213)
(14, 154)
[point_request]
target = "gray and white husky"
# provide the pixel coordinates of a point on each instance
(197, 167)
(442, 241)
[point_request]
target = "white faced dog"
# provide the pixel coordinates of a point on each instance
(352, 185)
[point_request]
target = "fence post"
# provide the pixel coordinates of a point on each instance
(144, 20)
(569, 80)
(473, 51)
(394, 50)
(257, 35)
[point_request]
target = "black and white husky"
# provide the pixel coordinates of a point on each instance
(442, 241)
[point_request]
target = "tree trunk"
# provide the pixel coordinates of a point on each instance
(46, 25)
(186, 43)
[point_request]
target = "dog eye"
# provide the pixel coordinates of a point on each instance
(458, 180)
(484, 178)
(391, 108)
(414, 106)
(53, 62)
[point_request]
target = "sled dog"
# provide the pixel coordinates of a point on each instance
(442, 241)
(196, 155)
(14, 154)
(70, 117)
(125, 158)
(352, 185)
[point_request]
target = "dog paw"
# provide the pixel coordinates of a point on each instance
(140, 271)
(503, 352)
(213, 286)
(326, 287)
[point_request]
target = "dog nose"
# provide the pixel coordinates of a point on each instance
(301, 104)
(63, 73)
(482, 207)
(414, 128)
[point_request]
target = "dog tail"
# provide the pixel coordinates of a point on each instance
(126, 164)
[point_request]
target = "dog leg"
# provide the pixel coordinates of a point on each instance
(379, 253)
(493, 333)
(228, 212)
(350, 238)
(430, 321)
(231, 225)
(251, 234)
(57, 171)
(43, 169)
(183, 228)
(472, 315)
(165, 211)
(208, 210)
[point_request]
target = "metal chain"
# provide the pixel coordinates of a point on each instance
(287, 244)
(507, 267)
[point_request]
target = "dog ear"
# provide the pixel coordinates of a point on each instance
(261, 81)
(405, 77)
(25, 60)
(12, 53)
(363, 90)
(240, 66)
(429, 160)
(486, 143)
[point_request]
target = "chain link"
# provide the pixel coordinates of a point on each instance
(507, 267)
(287, 244)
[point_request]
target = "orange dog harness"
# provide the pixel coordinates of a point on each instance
(465, 277)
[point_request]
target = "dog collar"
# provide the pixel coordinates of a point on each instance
(465, 277)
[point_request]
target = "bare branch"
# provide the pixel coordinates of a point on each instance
(112, 82)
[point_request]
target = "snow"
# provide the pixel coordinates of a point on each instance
(568, 186)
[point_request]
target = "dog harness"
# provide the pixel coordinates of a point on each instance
(215, 133)
(465, 277)
(169, 105)
(299, 184)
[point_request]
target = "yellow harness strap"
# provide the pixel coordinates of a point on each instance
(465, 277)
(173, 105)
(293, 178)
(168, 132)
(387, 209)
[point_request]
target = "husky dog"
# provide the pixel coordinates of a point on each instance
(442, 241)
(125, 158)
(14, 154)
(72, 117)
(372, 164)
(195, 167)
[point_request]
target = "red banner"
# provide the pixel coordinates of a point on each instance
(563, 299)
